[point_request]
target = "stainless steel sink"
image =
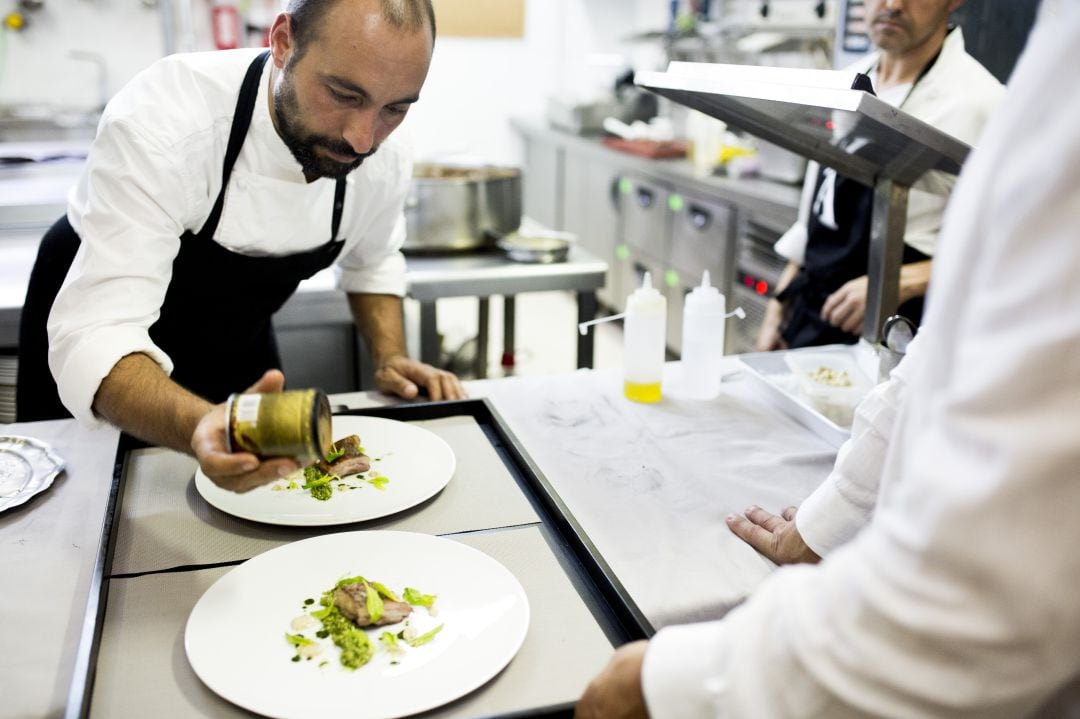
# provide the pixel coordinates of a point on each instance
(42, 123)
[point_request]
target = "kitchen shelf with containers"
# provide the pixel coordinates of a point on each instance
(658, 216)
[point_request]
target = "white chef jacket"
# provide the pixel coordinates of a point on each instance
(957, 97)
(842, 505)
(154, 171)
(959, 599)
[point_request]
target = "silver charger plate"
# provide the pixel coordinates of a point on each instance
(27, 467)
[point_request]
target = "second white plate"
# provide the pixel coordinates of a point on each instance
(416, 462)
(235, 635)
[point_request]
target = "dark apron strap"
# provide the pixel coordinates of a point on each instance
(245, 106)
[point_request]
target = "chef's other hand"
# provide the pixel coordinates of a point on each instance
(846, 307)
(775, 537)
(237, 471)
(615, 693)
(403, 376)
(769, 337)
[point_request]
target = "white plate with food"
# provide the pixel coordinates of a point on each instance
(27, 467)
(250, 636)
(407, 465)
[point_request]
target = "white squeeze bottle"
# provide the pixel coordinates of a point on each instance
(704, 317)
(644, 341)
(704, 312)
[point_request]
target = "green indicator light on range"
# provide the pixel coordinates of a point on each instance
(671, 277)
(626, 186)
(676, 202)
(622, 252)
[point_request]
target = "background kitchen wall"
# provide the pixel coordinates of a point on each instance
(569, 47)
(37, 69)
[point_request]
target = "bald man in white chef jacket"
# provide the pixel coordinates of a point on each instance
(217, 182)
(958, 599)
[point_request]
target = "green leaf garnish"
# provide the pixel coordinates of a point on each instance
(425, 638)
(375, 606)
(417, 598)
(298, 640)
(385, 591)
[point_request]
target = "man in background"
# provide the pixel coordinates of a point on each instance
(922, 68)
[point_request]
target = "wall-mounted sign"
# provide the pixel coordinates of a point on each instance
(480, 18)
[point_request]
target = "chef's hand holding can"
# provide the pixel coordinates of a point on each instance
(262, 434)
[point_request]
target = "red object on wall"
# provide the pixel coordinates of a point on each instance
(225, 20)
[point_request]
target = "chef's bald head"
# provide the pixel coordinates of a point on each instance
(307, 15)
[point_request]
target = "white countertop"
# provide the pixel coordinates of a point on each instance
(651, 484)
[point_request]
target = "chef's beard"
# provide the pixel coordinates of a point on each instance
(894, 17)
(302, 143)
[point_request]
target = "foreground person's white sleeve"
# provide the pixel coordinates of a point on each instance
(957, 600)
(844, 503)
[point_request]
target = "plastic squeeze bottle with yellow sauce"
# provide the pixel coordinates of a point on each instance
(644, 340)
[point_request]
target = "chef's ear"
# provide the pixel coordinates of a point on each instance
(282, 39)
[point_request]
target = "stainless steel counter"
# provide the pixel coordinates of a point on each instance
(474, 274)
(48, 558)
(757, 195)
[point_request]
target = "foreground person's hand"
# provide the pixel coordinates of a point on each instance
(615, 693)
(237, 471)
(404, 377)
(776, 537)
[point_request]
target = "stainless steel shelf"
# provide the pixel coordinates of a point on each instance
(818, 114)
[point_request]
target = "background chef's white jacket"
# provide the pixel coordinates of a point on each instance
(154, 171)
(959, 599)
(956, 96)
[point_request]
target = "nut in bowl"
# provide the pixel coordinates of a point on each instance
(831, 382)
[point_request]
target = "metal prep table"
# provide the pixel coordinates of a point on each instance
(480, 274)
(484, 274)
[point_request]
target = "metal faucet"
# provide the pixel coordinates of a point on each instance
(102, 72)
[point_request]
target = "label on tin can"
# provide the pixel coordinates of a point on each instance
(247, 407)
(293, 423)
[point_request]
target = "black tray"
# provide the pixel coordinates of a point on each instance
(612, 607)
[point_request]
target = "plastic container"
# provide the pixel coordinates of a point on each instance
(704, 317)
(644, 327)
(832, 383)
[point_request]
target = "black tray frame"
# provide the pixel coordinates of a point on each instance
(622, 619)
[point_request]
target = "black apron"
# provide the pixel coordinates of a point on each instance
(835, 256)
(215, 318)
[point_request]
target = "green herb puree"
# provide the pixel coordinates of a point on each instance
(356, 648)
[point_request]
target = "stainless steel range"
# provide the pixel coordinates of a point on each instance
(757, 270)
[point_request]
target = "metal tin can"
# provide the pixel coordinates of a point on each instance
(295, 423)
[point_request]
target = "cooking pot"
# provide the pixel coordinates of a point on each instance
(455, 207)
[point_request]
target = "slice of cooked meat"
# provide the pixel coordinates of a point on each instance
(351, 600)
(353, 461)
